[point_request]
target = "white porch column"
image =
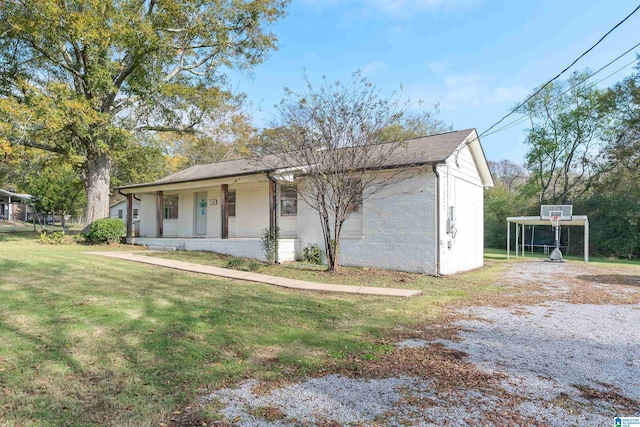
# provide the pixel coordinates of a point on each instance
(586, 240)
(517, 239)
(508, 238)
(9, 209)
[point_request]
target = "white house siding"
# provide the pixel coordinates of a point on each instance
(395, 230)
(462, 189)
(252, 209)
(147, 215)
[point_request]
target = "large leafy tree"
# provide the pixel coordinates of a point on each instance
(82, 77)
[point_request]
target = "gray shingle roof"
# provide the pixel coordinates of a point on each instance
(423, 150)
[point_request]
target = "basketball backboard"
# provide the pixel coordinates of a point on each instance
(548, 211)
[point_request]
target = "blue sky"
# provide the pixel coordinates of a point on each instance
(476, 58)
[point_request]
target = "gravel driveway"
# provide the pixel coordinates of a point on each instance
(561, 346)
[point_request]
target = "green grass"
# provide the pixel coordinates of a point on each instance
(501, 254)
(353, 276)
(88, 340)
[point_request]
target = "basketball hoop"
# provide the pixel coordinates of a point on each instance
(555, 220)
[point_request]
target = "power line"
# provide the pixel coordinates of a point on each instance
(523, 119)
(562, 72)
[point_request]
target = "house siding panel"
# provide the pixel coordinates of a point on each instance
(463, 190)
(397, 226)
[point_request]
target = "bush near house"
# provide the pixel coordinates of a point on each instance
(106, 230)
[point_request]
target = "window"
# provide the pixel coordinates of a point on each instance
(288, 200)
(135, 214)
(170, 205)
(353, 189)
(120, 213)
(231, 202)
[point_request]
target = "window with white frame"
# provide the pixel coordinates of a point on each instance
(135, 214)
(170, 207)
(120, 213)
(288, 200)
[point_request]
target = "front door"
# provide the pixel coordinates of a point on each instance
(200, 214)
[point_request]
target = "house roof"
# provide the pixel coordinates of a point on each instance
(416, 151)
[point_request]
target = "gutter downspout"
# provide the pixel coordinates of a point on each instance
(435, 171)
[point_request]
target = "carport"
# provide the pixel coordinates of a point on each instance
(522, 221)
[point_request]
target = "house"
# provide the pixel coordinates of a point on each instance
(118, 210)
(432, 222)
(14, 206)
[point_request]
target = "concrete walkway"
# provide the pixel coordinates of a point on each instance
(261, 278)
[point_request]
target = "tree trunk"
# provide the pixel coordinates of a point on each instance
(96, 177)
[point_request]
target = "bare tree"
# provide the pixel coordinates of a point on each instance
(331, 138)
(511, 175)
(564, 139)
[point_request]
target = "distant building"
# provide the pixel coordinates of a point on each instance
(119, 210)
(14, 206)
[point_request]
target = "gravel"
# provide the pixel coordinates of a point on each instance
(549, 354)
(332, 397)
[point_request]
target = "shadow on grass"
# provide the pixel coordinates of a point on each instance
(98, 343)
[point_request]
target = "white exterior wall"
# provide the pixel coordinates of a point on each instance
(252, 209)
(462, 189)
(395, 230)
(147, 214)
(249, 248)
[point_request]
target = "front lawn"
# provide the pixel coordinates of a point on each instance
(88, 340)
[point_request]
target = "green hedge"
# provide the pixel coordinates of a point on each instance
(106, 230)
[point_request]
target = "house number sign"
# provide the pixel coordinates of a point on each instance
(213, 201)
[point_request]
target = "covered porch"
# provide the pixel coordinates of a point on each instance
(226, 216)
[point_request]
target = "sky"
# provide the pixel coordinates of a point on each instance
(475, 58)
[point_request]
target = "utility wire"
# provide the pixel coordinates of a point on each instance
(523, 119)
(562, 72)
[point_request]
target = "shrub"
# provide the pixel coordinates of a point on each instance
(106, 230)
(51, 238)
(253, 266)
(269, 244)
(234, 263)
(312, 254)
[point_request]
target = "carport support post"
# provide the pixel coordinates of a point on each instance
(517, 239)
(159, 213)
(586, 240)
(508, 238)
(130, 216)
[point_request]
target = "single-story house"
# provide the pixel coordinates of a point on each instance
(14, 205)
(119, 210)
(432, 222)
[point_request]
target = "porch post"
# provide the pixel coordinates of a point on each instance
(224, 203)
(130, 216)
(159, 213)
(273, 205)
(9, 210)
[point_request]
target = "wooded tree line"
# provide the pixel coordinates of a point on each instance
(583, 149)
